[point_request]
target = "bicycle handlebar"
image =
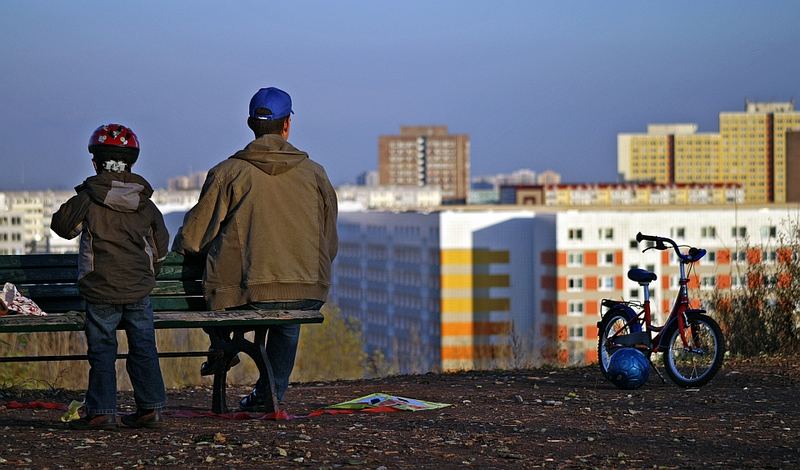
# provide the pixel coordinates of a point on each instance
(693, 255)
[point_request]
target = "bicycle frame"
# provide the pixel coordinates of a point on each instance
(678, 313)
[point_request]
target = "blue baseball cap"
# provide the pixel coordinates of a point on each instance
(270, 104)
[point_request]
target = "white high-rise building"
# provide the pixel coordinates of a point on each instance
(503, 287)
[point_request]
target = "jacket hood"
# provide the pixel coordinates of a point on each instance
(122, 192)
(271, 154)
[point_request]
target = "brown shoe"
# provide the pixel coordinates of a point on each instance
(143, 419)
(94, 422)
(212, 366)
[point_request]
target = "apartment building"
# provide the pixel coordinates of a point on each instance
(25, 223)
(35, 209)
(426, 155)
(434, 291)
(392, 198)
(474, 288)
(596, 248)
(622, 194)
(12, 232)
(750, 149)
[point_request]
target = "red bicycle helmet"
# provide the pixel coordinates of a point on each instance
(114, 135)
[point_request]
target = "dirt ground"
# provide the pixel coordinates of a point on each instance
(544, 418)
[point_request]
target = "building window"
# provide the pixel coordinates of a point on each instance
(677, 232)
(606, 258)
(605, 283)
(708, 232)
(576, 333)
(575, 259)
(712, 256)
(708, 282)
(633, 244)
(633, 293)
(674, 282)
(769, 256)
(575, 283)
(738, 232)
(606, 233)
(769, 231)
(575, 307)
(575, 234)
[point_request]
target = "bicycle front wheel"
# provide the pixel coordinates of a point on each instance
(694, 364)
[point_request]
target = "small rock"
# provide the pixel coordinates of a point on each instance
(519, 399)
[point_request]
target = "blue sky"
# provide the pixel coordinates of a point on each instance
(542, 85)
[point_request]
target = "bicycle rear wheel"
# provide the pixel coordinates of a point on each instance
(614, 323)
(698, 362)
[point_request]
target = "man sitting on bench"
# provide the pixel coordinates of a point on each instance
(266, 222)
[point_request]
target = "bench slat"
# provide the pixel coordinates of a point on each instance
(39, 275)
(39, 292)
(35, 269)
(74, 321)
(51, 260)
(59, 305)
(71, 321)
(38, 261)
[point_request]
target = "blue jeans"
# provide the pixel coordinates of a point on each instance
(282, 343)
(142, 365)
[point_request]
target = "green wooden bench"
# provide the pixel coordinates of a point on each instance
(51, 281)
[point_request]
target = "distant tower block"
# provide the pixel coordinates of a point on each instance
(426, 155)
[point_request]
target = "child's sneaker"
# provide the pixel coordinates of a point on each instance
(95, 422)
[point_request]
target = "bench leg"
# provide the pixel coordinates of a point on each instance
(218, 402)
(223, 343)
(257, 350)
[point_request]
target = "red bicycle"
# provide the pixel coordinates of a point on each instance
(692, 343)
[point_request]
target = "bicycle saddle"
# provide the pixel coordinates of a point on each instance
(641, 275)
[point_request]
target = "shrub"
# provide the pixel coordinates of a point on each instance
(763, 315)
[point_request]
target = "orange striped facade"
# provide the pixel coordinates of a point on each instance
(573, 291)
(578, 281)
(476, 326)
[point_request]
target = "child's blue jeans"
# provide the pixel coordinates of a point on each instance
(142, 364)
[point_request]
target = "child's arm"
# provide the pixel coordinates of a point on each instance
(160, 237)
(68, 220)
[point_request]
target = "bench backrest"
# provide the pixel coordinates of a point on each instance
(51, 281)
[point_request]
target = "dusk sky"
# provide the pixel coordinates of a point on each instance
(540, 85)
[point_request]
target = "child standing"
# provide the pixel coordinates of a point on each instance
(123, 241)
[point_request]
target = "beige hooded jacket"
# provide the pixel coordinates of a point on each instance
(267, 220)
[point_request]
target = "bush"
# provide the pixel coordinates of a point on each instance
(763, 315)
